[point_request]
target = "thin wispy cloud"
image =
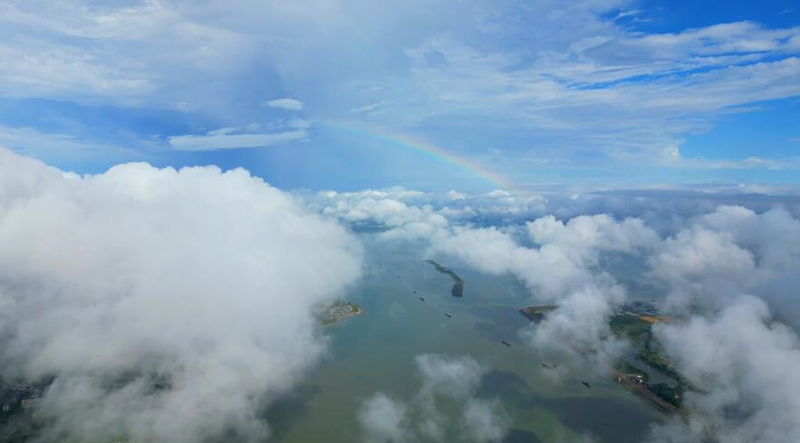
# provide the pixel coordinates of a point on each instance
(229, 138)
(594, 88)
(288, 104)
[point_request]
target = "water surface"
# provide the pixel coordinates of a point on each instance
(375, 352)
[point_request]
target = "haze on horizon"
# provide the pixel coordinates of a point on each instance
(185, 185)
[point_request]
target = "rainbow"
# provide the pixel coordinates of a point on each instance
(410, 142)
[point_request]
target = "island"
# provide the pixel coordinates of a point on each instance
(458, 283)
(339, 311)
(634, 322)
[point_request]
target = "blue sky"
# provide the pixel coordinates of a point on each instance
(609, 92)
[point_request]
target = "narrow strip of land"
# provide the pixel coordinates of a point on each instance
(644, 390)
(458, 283)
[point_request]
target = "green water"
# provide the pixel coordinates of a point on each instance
(375, 352)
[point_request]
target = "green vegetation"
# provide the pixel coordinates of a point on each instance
(637, 329)
(631, 327)
(639, 333)
(458, 283)
(657, 361)
(631, 369)
(669, 394)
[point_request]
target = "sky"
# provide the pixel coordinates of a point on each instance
(470, 95)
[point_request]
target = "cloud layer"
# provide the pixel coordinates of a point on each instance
(167, 305)
(727, 272)
(444, 380)
(175, 304)
(744, 364)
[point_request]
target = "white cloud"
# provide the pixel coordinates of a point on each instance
(581, 96)
(78, 52)
(224, 139)
(383, 207)
(63, 72)
(197, 280)
(700, 253)
(455, 195)
(384, 419)
(736, 353)
(744, 366)
(565, 258)
(751, 162)
(288, 104)
(482, 420)
(579, 327)
(587, 87)
(730, 251)
(366, 109)
(561, 267)
(447, 376)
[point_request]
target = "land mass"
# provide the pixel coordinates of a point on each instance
(536, 313)
(458, 283)
(634, 322)
(339, 311)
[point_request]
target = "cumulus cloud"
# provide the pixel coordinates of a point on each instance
(728, 272)
(664, 208)
(559, 261)
(165, 305)
(444, 378)
(744, 366)
(484, 421)
(580, 326)
(734, 250)
(454, 377)
(287, 104)
(561, 267)
(383, 419)
(737, 357)
(385, 208)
